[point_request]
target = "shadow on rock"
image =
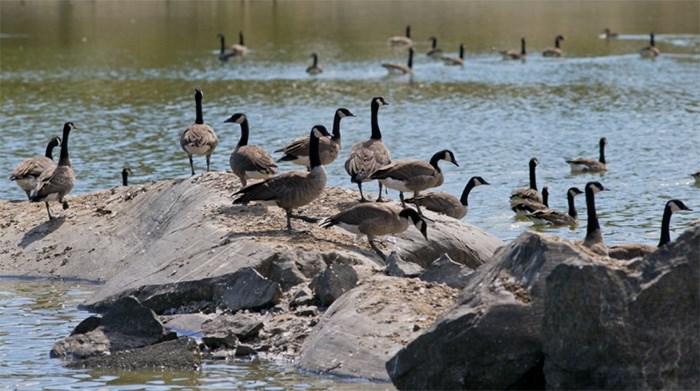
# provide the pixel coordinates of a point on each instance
(41, 231)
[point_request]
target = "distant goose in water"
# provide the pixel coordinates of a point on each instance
(249, 161)
(556, 50)
(515, 55)
(28, 171)
(367, 156)
(525, 207)
(590, 165)
(125, 176)
(634, 250)
(314, 68)
(609, 34)
(400, 40)
(237, 49)
(54, 183)
(446, 203)
(297, 151)
(413, 175)
(376, 220)
(696, 177)
(458, 61)
(594, 236)
(530, 193)
(435, 53)
(650, 51)
(401, 69)
(291, 189)
(198, 138)
(555, 217)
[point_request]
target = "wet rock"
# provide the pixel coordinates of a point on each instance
(129, 317)
(186, 324)
(249, 290)
(396, 267)
(446, 271)
(245, 350)
(88, 324)
(335, 280)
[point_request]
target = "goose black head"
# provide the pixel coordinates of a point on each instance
(534, 162)
(379, 101)
(595, 187)
(574, 191)
(677, 206)
(478, 181)
(416, 219)
(343, 112)
(320, 131)
(237, 118)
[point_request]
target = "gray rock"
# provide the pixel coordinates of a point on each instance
(306, 311)
(243, 326)
(129, 317)
(397, 267)
(446, 271)
(335, 280)
(186, 324)
(286, 273)
(302, 296)
(249, 290)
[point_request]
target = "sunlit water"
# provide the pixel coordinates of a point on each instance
(125, 73)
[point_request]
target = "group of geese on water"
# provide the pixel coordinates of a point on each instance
(239, 49)
(44, 180)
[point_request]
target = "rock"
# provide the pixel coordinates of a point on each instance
(335, 280)
(88, 324)
(129, 317)
(446, 271)
(396, 267)
(186, 324)
(245, 350)
(302, 296)
(306, 311)
(249, 290)
(286, 273)
(243, 326)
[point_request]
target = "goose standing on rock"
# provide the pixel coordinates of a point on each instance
(594, 236)
(555, 217)
(28, 171)
(199, 138)
(314, 68)
(515, 55)
(291, 189)
(402, 40)
(414, 175)
(376, 220)
(446, 203)
(590, 165)
(457, 61)
(401, 69)
(367, 156)
(54, 183)
(526, 207)
(650, 51)
(556, 50)
(249, 161)
(527, 194)
(125, 176)
(297, 151)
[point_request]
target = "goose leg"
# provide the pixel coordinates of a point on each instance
(376, 249)
(380, 199)
(192, 165)
(48, 210)
(208, 158)
(362, 196)
(403, 204)
(289, 220)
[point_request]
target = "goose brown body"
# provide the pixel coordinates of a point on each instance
(447, 204)
(249, 161)
(28, 171)
(591, 165)
(199, 138)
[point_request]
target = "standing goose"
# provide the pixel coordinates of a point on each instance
(594, 236)
(458, 61)
(590, 165)
(249, 161)
(435, 53)
(527, 194)
(291, 189)
(125, 176)
(402, 40)
(54, 183)
(555, 217)
(297, 151)
(556, 50)
(376, 220)
(650, 51)
(634, 250)
(413, 175)
(401, 69)
(198, 138)
(446, 203)
(367, 156)
(28, 171)
(314, 68)
(515, 55)
(524, 208)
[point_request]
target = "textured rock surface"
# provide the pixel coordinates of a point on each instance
(446, 271)
(332, 282)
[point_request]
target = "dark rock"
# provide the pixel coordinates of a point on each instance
(245, 350)
(446, 271)
(335, 280)
(220, 339)
(129, 317)
(243, 326)
(286, 273)
(396, 267)
(302, 296)
(88, 324)
(249, 290)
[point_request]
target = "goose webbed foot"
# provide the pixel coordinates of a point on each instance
(65, 205)
(305, 218)
(377, 250)
(192, 165)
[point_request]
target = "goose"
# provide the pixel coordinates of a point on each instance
(446, 203)
(249, 161)
(696, 177)
(609, 34)
(291, 189)
(434, 52)
(634, 250)
(223, 53)
(527, 194)
(414, 175)
(237, 49)
(314, 68)
(594, 236)
(556, 50)
(367, 156)
(375, 220)
(590, 165)
(400, 40)
(401, 69)
(125, 176)
(54, 183)
(458, 61)
(515, 55)
(526, 207)
(297, 151)
(555, 217)
(650, 51)
(198, 138)
(28, 171)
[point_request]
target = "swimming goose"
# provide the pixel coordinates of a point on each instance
(555, 217)
(634, 250)
(413, 175)
(650, 51)
(237, 49)
(297, 151)
(609, 34)
(28, 171)
(446, 203)
(524, 208)
(376, 220)
(594, 236)
(459, 61)
(54, 183)
(556, 50)
(401, 68)
(249, 161)
(590, 165)
(696, 177)
(367, 156)
(125, 176)
(198, 138)
(291, 189)
(515, 55)
(435, 53)
(399, 40)
(314, 69)
(223, 53)
(527, 194)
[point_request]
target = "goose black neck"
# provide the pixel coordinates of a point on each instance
(198, 104)
(434, 160)
(49, 149)
(240, 38)
(461, 52)
(376, 133)
(314, 155)
(602, 152)
(336, 126)
(572, 207)
(244, 133)
(545, 197)
(315, 57)
(665, 223)
(533, 179)
(593, 224)
(651, 40)
(408, 31)
(556, 43)
(434, 45)
(522, 47)
(465, 193)
(410, 58)
(125, 178)
(221, 39)
(64, 159)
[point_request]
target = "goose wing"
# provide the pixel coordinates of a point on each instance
(32, 167)
(365, 158)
